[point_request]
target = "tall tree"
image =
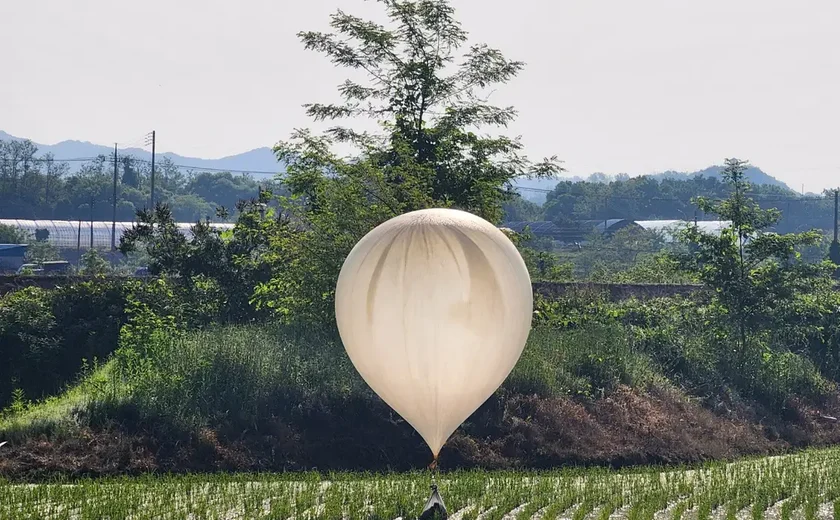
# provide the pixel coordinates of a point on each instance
(131, 175)
(91, 188)
(430, 97)
(756, 274)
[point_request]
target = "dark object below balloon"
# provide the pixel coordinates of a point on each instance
(434, 509)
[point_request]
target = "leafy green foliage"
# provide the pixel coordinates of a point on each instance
(686, 342)
(12, 235)
(428, 154)
(590, 361)
(755, 274)
(233, 375)
(93, 263)
(45, 335)
(657, 268)
(26, 320)
(219, 270)
(41, 251)
(543, 265)
(647, 198)
(604, 256)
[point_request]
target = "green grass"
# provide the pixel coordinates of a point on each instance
(808, 482)
(241, 373)
(60, 414)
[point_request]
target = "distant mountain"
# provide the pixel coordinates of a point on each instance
(753, 174)
(256, 160)
(264, 160)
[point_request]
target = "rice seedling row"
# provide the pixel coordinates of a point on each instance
(804, 486)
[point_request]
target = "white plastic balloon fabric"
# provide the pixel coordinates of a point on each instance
(434, 308)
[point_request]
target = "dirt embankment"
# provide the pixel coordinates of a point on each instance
(622, 429)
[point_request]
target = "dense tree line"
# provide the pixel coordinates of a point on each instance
(34, 186)
(646, 198)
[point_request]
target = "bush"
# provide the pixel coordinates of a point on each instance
(28, 342)
(93, 263)
(46, 336)
(12, 235)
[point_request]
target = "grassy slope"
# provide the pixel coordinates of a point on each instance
(59, 414)
(265, 398)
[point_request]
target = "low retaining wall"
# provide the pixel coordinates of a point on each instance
(9, 283)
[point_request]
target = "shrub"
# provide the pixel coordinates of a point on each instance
(46, 336)
(93, 263)
(28, 342)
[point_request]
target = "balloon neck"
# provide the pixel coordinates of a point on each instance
(434, 465)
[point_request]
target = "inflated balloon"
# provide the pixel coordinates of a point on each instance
(434, 308)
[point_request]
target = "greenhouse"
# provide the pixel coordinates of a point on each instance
(74, 234)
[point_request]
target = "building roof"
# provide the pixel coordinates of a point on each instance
(13, 250)
(669, 228)
(574, 232)
(73, 233)
(610, 224)
(537, 228)
(579, 230)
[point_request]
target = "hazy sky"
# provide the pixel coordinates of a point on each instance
(615, 86)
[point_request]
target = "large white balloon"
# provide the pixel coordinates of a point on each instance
(434, 308)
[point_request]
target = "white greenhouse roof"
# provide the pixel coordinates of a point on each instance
(65, 233)
(670, 227)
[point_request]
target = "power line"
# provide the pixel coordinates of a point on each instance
(44, 159)
(516, 188)
(206, 168)
(147, 161)
(140, 142)
(797, 199)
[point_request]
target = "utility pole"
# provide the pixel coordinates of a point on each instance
(91, 222)
(261, 206)
(606, 213)
(835, 215)
(151, 140)
(114, 215)
(834, 250)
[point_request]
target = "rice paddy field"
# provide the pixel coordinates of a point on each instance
(800, 486)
